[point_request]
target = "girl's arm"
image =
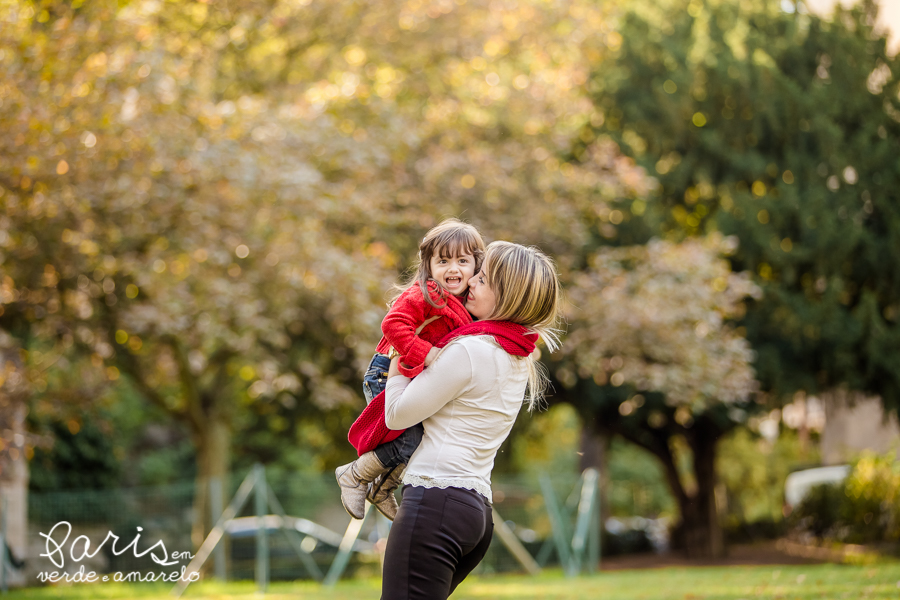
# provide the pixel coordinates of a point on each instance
(410, 401)
(400, 325)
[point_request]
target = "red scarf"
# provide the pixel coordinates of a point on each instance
(369, 430)
(513, 338)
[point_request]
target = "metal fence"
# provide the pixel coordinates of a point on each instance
(144, 520)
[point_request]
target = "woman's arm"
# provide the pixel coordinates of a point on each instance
(410, 401)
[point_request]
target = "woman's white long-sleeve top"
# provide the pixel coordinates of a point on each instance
(468, 400)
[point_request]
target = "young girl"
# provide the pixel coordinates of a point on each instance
(431, 306)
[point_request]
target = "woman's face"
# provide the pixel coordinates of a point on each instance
(481, 299)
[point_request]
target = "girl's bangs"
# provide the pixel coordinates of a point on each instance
(456, 244)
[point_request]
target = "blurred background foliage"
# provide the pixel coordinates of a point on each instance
(204, 206)
(752, 471)
(863, 509)
(763, 121)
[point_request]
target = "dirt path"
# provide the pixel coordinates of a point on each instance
(762, 553)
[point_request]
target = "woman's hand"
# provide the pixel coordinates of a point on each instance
(429, 358)
(394, 369)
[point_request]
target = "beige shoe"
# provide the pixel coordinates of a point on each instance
(354, 479)
(381, 492)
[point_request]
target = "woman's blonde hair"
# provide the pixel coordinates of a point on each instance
(527, 292)
(451, 237)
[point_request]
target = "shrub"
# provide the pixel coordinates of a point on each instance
(871, 506)
(864, 508)
(819, 512)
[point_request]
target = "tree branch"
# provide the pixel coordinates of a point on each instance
(129, 365)
(194, 410)
(660, 449)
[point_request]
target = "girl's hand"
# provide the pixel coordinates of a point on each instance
(394, 369)
(429, 358)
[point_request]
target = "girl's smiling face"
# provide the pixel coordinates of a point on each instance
(453, 273)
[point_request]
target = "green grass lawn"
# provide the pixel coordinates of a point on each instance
(880, 581)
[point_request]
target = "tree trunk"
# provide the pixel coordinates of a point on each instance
(592, 448)
(595, 454)
(213, 444)
(700, 529)
(699, 532)
(13, 459)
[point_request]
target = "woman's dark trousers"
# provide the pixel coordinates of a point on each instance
(438, 537)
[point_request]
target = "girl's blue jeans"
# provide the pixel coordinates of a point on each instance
(399, 451)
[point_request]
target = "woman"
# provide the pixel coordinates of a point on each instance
(467, 400)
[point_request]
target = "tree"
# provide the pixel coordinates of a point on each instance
(183, 244)
(782, 128)
(210, 201)
(652, 356)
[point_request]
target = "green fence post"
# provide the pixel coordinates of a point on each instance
(215, 510)
(262, 534)
(346, 548)
(545, 552)
(209, 544)
(294, 538)
(594, 536)
(557, 524)
(585, 517)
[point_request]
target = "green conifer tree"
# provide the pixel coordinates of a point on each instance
(765, 121)
(762, 120)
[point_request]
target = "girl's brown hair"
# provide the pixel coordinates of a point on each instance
(450, 238)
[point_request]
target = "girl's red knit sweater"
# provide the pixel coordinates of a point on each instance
(407, 313)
